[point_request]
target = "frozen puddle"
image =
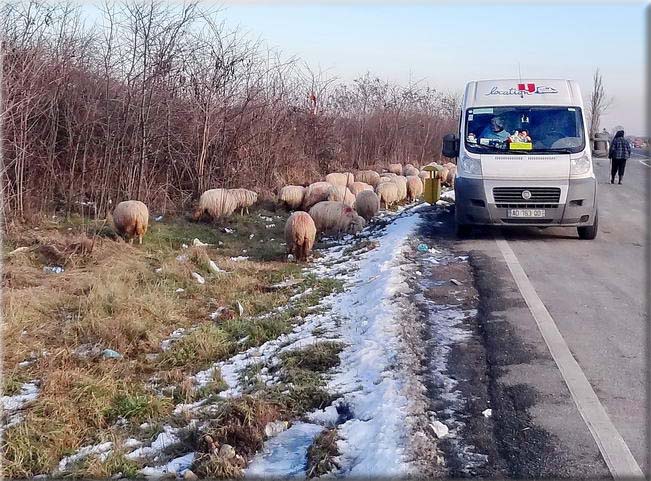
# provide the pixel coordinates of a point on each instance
(285, 455)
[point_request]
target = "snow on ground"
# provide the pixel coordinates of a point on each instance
(13, 405)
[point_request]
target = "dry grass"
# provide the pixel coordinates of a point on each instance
(321, 454)
(125, 298)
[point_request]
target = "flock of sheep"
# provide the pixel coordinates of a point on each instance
(343, 203)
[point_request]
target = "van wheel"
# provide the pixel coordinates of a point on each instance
(463, 230)
(589, 232)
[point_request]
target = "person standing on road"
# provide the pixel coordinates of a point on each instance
(620, 150)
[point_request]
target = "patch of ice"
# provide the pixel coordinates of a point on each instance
(240, 258)
(177, 466)
(83, 453)
(164, 440)
(28, 393)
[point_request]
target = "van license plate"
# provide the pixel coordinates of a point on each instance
(527, 213)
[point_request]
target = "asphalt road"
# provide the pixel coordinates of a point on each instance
(596, 292)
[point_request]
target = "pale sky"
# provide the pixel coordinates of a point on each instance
(445, 45)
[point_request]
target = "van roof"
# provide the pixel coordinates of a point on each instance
(511, 92)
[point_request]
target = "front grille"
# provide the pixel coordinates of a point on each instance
(526, 206)
(528, 221)
(510, 195)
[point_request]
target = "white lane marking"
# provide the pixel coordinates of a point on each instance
(644, 162)
(614, 450)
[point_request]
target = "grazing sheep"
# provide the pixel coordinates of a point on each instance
(336, 218)
(370, 177)
(316, 192)
(452, 170)
(341, 194)
(245, 198)
(291, 196)
(414, 187)
(343, 179)
(215, 203)
(409, 169)
(388, 193)
(443, 175)
(358, 187)
(131, 218)
(401, 182)
(423, 174)
(395, 169)
(367, 204)
(300, 232)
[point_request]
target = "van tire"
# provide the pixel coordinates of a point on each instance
(463, 230)
(589, 232)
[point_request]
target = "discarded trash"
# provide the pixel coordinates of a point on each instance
(158, 218)
(53, 269)
(197, 243)
(199, 278)
(422, 247)
(182, 258)
(270, 226)
(111, 354)
(455, 282)
(239, 258)
(226, 451)
(228, 231)
(251, 236)
(158, 270)
(440, 429)
(222, 314)
(290, 257)
(487, 413)
(19, 249)
(180, 289)
(240, 308)
(275, 428)
(220, 243)
(214, 268)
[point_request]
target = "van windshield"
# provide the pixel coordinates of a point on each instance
(517, 129)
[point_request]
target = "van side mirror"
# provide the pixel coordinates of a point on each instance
(450, 146)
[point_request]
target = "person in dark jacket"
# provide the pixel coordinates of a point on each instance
(620, 150)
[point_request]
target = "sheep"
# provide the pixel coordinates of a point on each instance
(414, 187)
(370, 177)
(388, 193)
(395, 169)
(452, 170)
(343, 179)
(245, 198)
(335, 218)
(216, 203)
(383, 179)
(291, 196)
(443, 175)
(314, 193)
(341, 194)
(367, 204)
(300, 232)
(409, 169)
(423, 174)
(131, 218)
(358, 187)
(401, 182)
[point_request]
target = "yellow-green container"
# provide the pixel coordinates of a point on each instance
(432, 192)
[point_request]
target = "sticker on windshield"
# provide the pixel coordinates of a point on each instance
(520, 146)
(487, 110)
(571, 109)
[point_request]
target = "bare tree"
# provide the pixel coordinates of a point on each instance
(599, 103)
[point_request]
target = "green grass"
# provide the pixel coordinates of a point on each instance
(136, 407)
(321, 454)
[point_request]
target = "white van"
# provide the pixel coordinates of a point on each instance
(524, 157)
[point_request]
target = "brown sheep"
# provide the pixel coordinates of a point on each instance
(388, 193)
(131, 219)
(316, 192)
(370, 177)
(300, 232)
(340, 179)
(414, 187)
(215, 203)
(367, 204)
(358, 187)
(395, 169)
(336, 218)
(291, 196)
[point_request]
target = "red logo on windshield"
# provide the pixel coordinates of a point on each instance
(531, 88)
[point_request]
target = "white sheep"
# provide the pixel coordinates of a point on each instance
(131, 219)
(369, 177)
(336, 218)
(245, 198)
(344, 179)
(414, 187)
(367, 204)
(409, 169)
(388, 193)
(316, 192)
(401, 182)
(341, 194)
(300, 232)
(216, 203)
(395, 169)
(357, 187)
(292, 196)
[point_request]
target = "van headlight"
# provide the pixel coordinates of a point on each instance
(580, 166)
(470, 165)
